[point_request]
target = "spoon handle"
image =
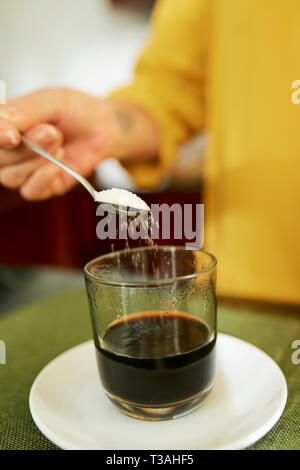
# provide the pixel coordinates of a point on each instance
(62, 165)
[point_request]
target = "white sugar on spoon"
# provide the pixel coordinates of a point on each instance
(123, 202)
(123, 198)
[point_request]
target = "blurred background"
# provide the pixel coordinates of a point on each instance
(90, 46)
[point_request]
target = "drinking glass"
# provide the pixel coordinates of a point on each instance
(153, 312)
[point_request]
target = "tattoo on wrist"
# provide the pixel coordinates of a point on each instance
(125, 120)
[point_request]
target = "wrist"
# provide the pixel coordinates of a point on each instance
(133, 134)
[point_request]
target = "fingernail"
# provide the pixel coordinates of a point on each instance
(44, 133)
(37, 134)
(7, 112)
(51, 130)
(4, 115)
(8, 137)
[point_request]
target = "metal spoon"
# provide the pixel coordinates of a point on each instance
(117, 208)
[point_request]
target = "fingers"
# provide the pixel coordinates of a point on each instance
(14, 176)
(28, 111)
(9, 135)
(39, 179)
(16, 166)
(25, 115)
(47, 136)
(47, 181)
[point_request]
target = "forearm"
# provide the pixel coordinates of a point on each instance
(134, 133)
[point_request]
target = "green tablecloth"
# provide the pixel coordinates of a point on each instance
(34, 335)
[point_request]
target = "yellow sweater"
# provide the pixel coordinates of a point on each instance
(227, 67)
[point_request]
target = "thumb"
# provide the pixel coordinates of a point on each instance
(47, 136)
(37, 107)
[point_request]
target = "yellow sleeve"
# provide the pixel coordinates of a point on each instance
(169, 81)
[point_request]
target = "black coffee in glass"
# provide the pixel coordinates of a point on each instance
(157, 358)
(153, 313)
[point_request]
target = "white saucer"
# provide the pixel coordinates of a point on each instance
(69, 407)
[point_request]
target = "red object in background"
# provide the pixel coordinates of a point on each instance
(50, 232)
(62, 231)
